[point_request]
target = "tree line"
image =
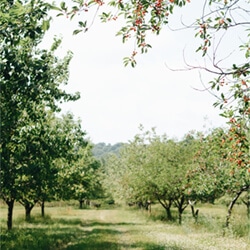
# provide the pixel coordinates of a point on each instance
(102, 149)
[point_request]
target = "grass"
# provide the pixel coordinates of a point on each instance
(66, 227)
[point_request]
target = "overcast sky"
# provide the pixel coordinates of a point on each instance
(115, 99)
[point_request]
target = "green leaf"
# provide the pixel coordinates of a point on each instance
(82, 24)
(45, 25)
(75, 32)
(53, 7)
(62, 5)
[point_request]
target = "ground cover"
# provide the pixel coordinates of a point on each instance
(117, 228)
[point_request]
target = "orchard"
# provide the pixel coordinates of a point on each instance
(31, 87)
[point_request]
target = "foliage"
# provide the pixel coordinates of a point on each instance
(142, 17)
(221, 170)
(101, 150)
(151, 168)
(206, 181)
(31, 80)
(37, 148)
(79, 179)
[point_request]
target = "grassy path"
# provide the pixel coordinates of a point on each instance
(125, 229)
(113, 229)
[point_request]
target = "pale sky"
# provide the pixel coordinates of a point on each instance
(115, 99)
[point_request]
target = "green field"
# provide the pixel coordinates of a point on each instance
(67, 227)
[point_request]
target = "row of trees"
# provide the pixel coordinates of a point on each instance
(44, 156)
(177, 173)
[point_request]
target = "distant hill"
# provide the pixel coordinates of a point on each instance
(101, 150)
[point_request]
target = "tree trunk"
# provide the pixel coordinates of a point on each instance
(167, 205)
(28, 208)
(247, 203)
(81, 204)
(181, 207)
(140, 204)
(10, 204)
(43, 208)
(194, 213)
(180, 217)
(168, 211)
(148, 206)
(231, 205)
(180, 211)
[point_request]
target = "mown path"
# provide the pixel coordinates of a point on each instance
(126, 229)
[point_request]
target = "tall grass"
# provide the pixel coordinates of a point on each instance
(211, 219)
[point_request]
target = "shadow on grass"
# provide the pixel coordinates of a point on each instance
(46, 221)
(38, 238)
(96, 223)
(70, 234)
(106, 245)
(97, 244)
(108, 239)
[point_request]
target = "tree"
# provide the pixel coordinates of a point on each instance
(206, 186)
(122, 173)
(169, 161)
(43, 143)
(152, 168)
(79, 177)
(35, 154)
(219, 171)
(29, 78)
